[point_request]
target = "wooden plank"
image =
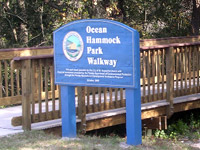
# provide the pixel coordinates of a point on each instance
(33, 71)
(12, 100)
(181, 60)
(18, 81)
(59, 102)
(170, 79)
(163, 72)
(88, 99)
(153, 74)
(39, 72)
(46, 77)
(8, 100)
(82, 108)
(189, 69)
(117, 105)
(12, 81)
(95, 109)
(177, 70)
(156, 112)
(26, 94)
(79, 90)
(53, 91)
(186, 106)
(20, 52)
(17, 121)
(105, 122)
(111, 98)
(6, 77)
(106, 107)
(100, 99)
(186, 68)
(144, 75)
(193, 67)
(121, 98)
(36, 76)
(141, 73)
(42, 61)
(163, 41)
(148, 74)
(158, 74)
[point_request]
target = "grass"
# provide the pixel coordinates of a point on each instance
(39, 140)
(180, 128)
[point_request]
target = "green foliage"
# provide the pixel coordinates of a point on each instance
(2, 107)
(194, 124)
(160, 134)
(153, 18)
(181, 129)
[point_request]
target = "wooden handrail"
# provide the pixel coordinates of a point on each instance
(27, 48)
(32, 57)
(168, 45)
(170, 38)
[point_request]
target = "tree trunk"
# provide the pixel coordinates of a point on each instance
(195, 17)
(123, 12)
(23, 36)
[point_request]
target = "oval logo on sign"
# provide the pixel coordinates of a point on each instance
(73, 46)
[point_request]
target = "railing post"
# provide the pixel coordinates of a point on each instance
(26, 94)
(170, 79)
(82, 109)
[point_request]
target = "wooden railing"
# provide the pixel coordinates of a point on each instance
(167, 71)
(169, 40)
(39, 92)
(187, 62)
(36, 68)
(10, 79)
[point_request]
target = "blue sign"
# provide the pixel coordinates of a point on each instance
(96, 52)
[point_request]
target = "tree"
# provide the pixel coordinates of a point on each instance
(32, 22)
(195, 23)
(23, 33)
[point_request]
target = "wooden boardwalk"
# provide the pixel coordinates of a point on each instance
(170, 82)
